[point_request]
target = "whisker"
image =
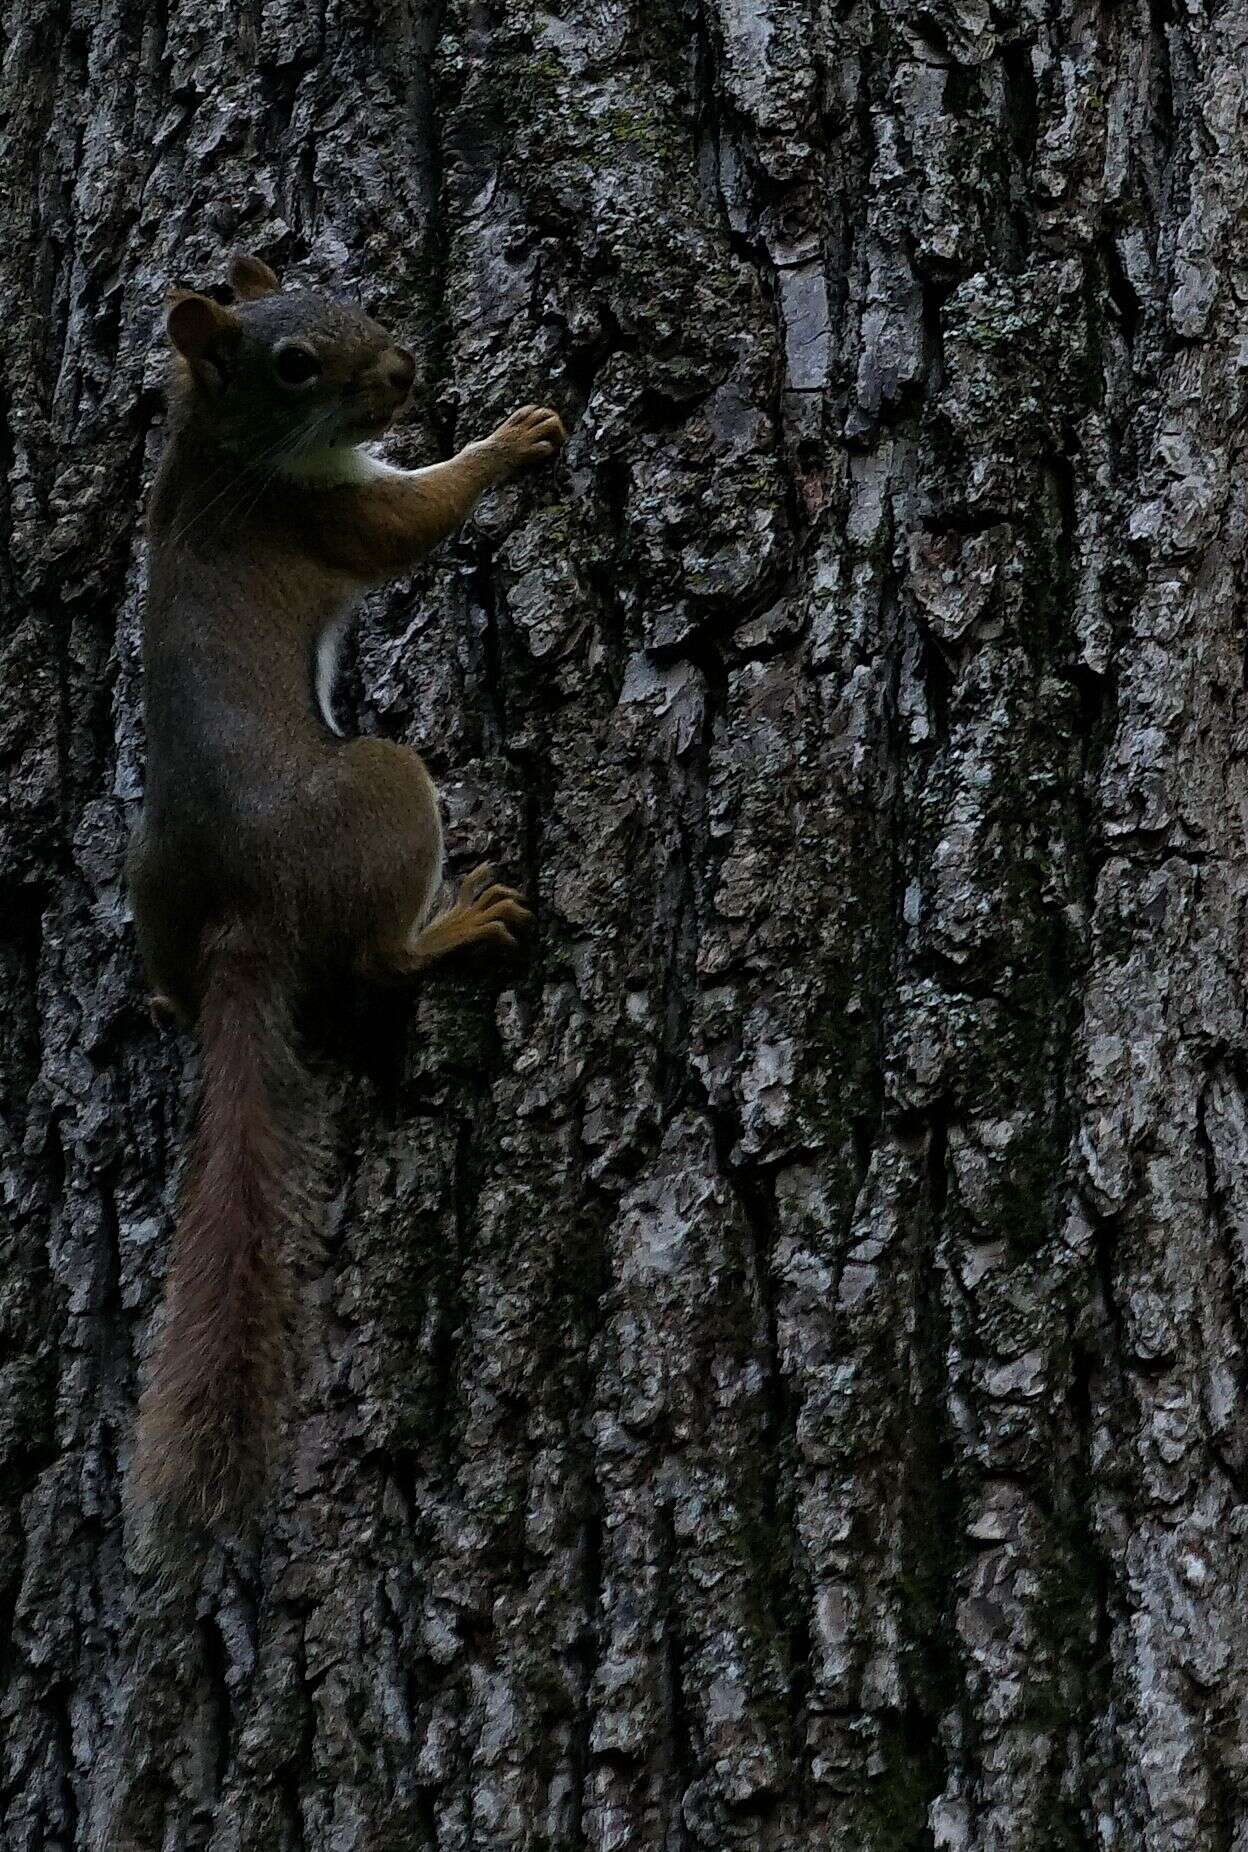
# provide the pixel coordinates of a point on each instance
(301, 440)
(277, 453)
(244, 470)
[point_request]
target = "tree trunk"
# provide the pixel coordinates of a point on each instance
(773, 1371)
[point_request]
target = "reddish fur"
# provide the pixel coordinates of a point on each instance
(218, 1378)
(256, 812)
(374, 531)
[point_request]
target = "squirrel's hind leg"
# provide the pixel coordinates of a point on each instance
(388, 810)
(482, 913)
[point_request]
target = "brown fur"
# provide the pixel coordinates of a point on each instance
(273, 853)
(206, 1420)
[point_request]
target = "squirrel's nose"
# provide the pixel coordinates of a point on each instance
(399, 368)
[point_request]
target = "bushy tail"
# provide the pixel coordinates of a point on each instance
(211, 1411)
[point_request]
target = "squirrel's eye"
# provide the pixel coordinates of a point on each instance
(295, 364)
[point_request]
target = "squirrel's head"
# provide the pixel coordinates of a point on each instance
(278, 375)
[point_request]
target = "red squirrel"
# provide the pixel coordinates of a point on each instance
(272, 851)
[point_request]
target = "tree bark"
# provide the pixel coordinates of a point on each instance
(774, 1371)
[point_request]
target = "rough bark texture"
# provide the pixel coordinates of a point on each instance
(775, 1369)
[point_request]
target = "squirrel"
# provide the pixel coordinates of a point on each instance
(273, 852)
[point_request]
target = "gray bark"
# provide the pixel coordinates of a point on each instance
(774, 1372)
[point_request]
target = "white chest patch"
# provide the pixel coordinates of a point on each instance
(336, 465)
(328, 650)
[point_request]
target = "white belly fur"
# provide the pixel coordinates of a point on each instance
(328, 650)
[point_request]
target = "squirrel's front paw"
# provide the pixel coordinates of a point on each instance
(530, 434)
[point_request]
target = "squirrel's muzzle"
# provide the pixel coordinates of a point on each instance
(384, 390)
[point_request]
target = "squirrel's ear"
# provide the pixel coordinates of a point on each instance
(201, 330)
(250, 278)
